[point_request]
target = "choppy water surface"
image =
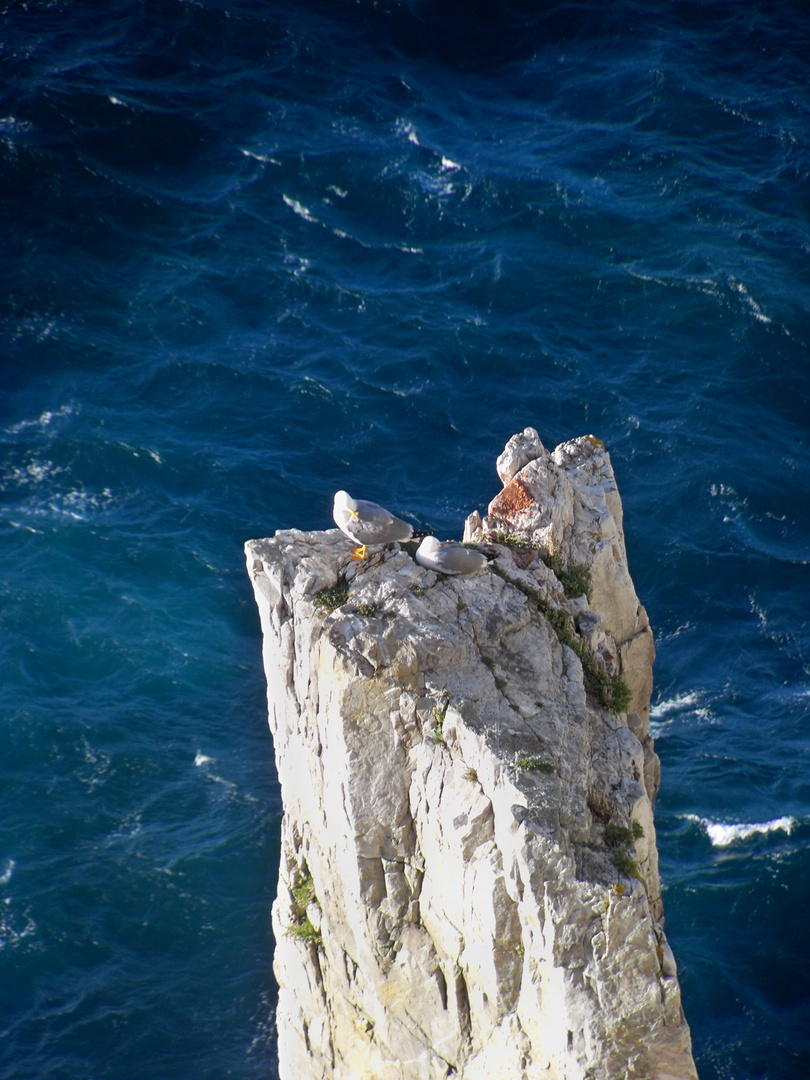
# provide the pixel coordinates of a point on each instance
(254, 252)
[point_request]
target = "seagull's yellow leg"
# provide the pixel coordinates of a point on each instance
(358, 554)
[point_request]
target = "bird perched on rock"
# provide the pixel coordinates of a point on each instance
(367, 523)
(449, 556)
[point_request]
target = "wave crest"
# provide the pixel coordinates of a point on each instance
(722, 835)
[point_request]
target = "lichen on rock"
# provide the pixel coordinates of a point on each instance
(477, 916)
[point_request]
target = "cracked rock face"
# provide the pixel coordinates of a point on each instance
(469, 877)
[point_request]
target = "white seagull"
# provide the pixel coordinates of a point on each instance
(449, 556)
(367, 523)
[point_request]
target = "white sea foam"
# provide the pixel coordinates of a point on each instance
(435, 185)
(682, 629)
(202, 759)
(671, 710)
(10, 126)
(405, 127)
(299, 209)
(5, 877)
(722, 835)
(96, 762)
(683, 705)
(44, 419)
(229, 784)
(41, 470)
(750, 301)
(261, 157)
(646, 277)
(11, 935)
(298, 264)
(676, 704)
(76, 505)
(36, 471)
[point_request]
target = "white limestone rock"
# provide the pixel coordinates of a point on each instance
(566, 505)
(518, 452)
(448, 785)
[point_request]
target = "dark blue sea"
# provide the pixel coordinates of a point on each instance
(256, 251)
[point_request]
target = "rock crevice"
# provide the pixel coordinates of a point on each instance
(468, 784)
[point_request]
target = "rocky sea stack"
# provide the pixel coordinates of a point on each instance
(469, 877)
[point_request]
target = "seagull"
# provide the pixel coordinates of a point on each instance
(449, 556)
(367, 523)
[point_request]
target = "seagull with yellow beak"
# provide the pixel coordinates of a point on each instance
(367, 523)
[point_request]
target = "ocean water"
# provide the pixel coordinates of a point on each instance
(256, 251)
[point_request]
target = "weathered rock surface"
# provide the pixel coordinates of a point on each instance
(462, 889)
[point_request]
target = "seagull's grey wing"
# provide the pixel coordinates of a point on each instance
(377, 526)
(372, 525)
(372, 513)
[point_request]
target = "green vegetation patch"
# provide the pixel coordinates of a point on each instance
(511, 540)
(305, 931)
(333, 597)
(574, 578)
(608, 690)
(303, 891)
(535, 764)
(303, 894)
(619, 839)
(624, 862)
(576, 581)
(616, 835)
(439, 712)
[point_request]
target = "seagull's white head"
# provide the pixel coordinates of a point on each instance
(344, 501)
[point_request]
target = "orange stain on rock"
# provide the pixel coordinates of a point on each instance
(514, 497)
